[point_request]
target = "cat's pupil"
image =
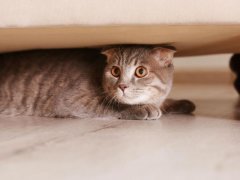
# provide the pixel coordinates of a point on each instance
(116, 71)
(141, 71)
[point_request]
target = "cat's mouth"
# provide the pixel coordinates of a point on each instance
(128, 98)
(123, 97)
(124, 100)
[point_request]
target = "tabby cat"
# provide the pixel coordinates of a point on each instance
(129, 82)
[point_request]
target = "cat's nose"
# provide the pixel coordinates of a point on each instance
(122, 87)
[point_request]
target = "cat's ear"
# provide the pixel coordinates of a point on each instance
(163, 55)
(108, 53)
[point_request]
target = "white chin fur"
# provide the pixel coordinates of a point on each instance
(125, 98)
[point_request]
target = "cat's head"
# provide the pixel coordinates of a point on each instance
(138, 75)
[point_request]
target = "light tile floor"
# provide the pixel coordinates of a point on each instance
(205, 146)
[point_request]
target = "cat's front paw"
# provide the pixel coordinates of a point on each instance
(144, 112)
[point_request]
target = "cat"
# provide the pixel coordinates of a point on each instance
(128, 82)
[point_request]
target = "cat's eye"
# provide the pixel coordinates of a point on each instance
(115, 71)
(141, 72)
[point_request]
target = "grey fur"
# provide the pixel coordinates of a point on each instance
(76, 83)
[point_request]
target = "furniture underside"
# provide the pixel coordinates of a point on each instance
(188, 39)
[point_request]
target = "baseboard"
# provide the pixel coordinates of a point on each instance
(209, 77)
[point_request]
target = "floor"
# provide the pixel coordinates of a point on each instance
(201, 146)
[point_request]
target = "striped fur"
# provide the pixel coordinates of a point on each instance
(76, 83)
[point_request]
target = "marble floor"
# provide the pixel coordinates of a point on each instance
(205, 145)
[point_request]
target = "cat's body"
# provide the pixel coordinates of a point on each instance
(71, 83)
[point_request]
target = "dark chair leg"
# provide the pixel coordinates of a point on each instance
(235, 67)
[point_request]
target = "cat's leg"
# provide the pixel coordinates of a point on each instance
(141, 112)
(235, 67)
(177, 106)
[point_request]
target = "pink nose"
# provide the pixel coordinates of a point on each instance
(122, 87)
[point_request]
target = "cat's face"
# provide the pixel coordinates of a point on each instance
(138, 75)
